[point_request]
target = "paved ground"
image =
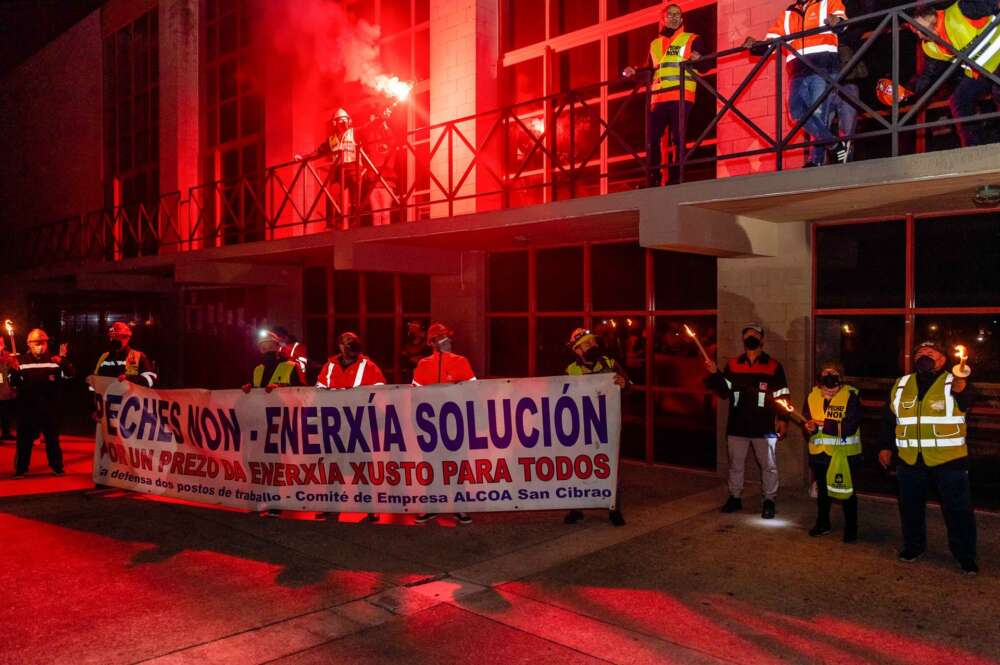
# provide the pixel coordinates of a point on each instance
(121, 579)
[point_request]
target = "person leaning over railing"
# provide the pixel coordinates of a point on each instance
(806, 86)
(668, 100)
(958, 25)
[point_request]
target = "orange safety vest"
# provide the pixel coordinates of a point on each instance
(816, 15)
(666, 56)
(362, 372)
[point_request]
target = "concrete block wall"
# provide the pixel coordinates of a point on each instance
(737, 20)
(776, 292)
(460, 302)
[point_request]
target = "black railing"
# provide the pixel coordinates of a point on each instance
(554, 147)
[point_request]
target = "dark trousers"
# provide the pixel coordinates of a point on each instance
(663, 117)
(6, 417)
(819, 465)
(952, 484)
(965, 103)
(29, 426)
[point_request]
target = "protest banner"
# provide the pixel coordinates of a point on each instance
(495, 445)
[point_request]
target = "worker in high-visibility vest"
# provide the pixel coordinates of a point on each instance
(273, 370)
(123, 362)
(924, 421)
(833, 421)
(805, 87)
(669, 100)
(341, 146)
(442, 366)
(959, 25)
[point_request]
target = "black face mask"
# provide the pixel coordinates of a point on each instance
(592, 355)
(925, 365)
(751, 343)
(667, 31)
(114, 344)
(353, 348)
(829, 381)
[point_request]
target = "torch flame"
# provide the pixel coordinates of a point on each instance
(961, 353)
(784, 403)
(392, 86)
(9, 325)
(537, 126)
(688, 331)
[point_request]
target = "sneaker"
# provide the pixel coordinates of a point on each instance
(60, 472)
(372, 518)
(573, 516)
(767, 510)
(616, 517)
(732, 505)
(810, 165)
(969, 567)
(463, 518)
(909, 556)
(841, 152)
(819, 530)
(424, 518)
(849, 145)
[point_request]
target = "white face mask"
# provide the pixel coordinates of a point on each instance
(443, 344)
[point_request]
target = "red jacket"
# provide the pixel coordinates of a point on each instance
(442, 368)
(362, 372)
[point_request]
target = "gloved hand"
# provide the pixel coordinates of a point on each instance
(122, 378)
(246, 388)
(269, 387)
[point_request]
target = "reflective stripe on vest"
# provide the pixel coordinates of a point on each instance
(956, 29)
(824, 42)
(934, 427)
(360, 375)
(823, 443)
(281, 376)
(667, 75)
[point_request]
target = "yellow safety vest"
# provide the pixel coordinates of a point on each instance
(666, 57)
(824, 443)
(131, 362)
(603, 366)
(281, 376)
(957, 29)
(933, 427)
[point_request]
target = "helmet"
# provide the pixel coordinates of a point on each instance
(37, 335)
(438, 330)
(756, 327)
(883, 90)
(341, 114)
(928, 344)
(267, 336)
(120, 329)
(348, 337)
(579, 336)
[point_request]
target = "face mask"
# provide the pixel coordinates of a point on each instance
(444, 344)
(829, 381)
(925, 365)
(353, 348)
(592, 355)
(751, 343)
(114, 344)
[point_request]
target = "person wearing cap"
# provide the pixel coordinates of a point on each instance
(442, 366)
(590, 360)
(924, 422)
(273, 370)
(349, 369)
(833, 422)
(342, 148)
(36, 379)
(289, 348)
(123, 362)
(751, 383)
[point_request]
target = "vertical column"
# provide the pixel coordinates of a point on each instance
(464, 60)
(179, 108)
(460, 301)
(776, 292)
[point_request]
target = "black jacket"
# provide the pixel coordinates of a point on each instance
(114, 365)
(751, 389)
(37, 379)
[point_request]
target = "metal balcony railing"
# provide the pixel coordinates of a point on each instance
(554, 147)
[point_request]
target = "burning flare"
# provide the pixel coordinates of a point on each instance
(391, 86)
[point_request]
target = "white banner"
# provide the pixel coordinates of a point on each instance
(496, 445)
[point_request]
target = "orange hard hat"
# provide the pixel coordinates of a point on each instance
(438, 330)
(883, 91)
(120, 329)
(37, 335)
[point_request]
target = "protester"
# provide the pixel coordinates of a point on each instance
(342, 149)
(7, 394)
(121, 361)
(36, 378)
(590, 360)
(751, 383)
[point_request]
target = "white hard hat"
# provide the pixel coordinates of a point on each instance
(341, 113)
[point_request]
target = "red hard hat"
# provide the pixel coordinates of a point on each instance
(438, 330)
(120, 328)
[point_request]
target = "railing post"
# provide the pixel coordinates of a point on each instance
(779, 107)
(895, 83)
(681, 127)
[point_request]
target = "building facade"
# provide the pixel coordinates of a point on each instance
(151, 178)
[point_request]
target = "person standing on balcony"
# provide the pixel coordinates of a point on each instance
(381, 179)
(814, 53)
(669, 100)
(751, 383)
(590, 360)
(442, 366)
(37, 378)
(958, 25)
(342, 148)
(924, 421)
(123, 362)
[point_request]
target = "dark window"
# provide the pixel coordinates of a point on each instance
(580, 67)
(379, 292)
(685, 281)
(553, 334)
(861, 265)
(560, 279)
(380, 342)
(345, 293)
(343, 324)
(316, 337)
(867, 346)
(524, 24)
(314, 286)
(958, 262)
(523, 82)
(979, 334)
(629, 48)
(508, 337)
(633, 442)
(618, 277)
(416, 293)
(569, 15)
(508, 275)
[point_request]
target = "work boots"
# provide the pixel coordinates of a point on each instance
(732, 505)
